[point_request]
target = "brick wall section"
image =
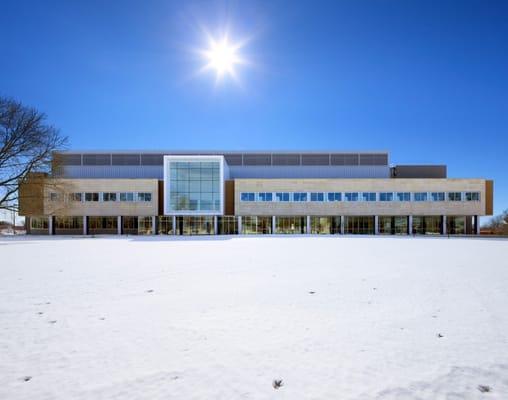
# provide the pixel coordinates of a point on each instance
(360, 208)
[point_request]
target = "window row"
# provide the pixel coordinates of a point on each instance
(358, 196)
(104, 196)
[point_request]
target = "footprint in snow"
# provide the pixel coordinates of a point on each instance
(53, 321)
(277, 383)
(484, 388)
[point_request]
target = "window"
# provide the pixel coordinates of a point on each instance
(437, 196)
(109, 196)
(38, 222)
(144, 196)
(290, 225)
(256, 225)
(100, 223)
(145, 226)
(227, 225)
(403, 196)
(247, 196)
(69, 223)
(472, 196)
(386, 196)
(351, 196)
(300, 196)
(455, 196)
(334, 196)
(195, 185)
(54, 196)
(368, 196)
(317, 196)
(282, 196)
(264, 196)
(92, 196)
(75, 196)
(126, 196)
(420, 196)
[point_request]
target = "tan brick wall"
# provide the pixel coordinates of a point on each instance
(68, 208)
(360, 185)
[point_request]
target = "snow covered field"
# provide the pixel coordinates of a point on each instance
(222, 318)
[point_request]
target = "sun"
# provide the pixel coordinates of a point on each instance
(222, 56)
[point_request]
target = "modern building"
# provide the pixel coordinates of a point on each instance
(213, 192)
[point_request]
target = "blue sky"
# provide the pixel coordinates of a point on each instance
(426, 81)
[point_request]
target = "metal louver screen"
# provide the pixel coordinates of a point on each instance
(315, 159)
(67, 159)
(257, 159)
(233, 159)
(373, 159)
(351, 159)
(152, 159)
(125, 159)
(286, 159)
(96, 159)
(380, 159)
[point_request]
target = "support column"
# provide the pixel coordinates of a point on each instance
(307, 228)
(444, 228)
(119, 225)
(154, 225)
(477, 224)
(50, 225)
(342, 224)
(173, 223)
(215, 225)
(273, 224)
(85, 225)
(410, 225)
(376, 225)
(239, 224)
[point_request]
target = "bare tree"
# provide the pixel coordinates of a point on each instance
(498, 224)
(26, 146)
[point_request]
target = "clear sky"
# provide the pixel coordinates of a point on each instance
(425, 80)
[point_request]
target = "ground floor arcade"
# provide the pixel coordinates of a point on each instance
(233, 225)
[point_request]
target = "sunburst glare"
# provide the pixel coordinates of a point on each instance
(222, 56)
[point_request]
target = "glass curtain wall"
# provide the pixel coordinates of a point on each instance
(456, 225)
(228, 225)
(165, 226)
(256, 225)
(427, 225)
(290, 225)
(359, 225)
(393, 225)
(130, 225)
(325, 225)
(195, 186)
(69, 225)
(145, 226)
(195, 225)
(106, 225)
(39, 223)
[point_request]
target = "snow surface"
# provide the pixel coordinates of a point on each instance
(223, 317)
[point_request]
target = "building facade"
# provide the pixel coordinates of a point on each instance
(206, 192)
